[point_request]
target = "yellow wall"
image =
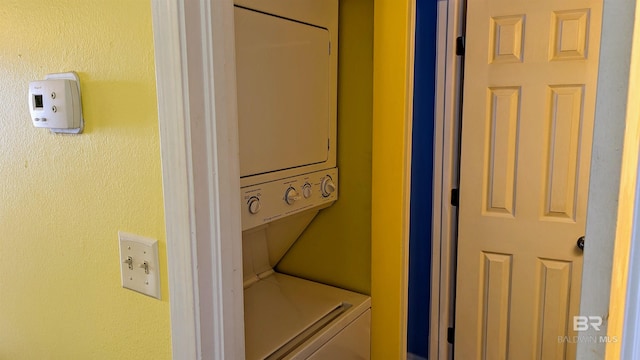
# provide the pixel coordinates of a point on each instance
(336, 247)
(392, 104)
(64, 198)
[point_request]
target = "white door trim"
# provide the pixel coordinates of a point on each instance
(445, 176)
(606, 165)
(195, 75)
(630, 348)
(625, 285)
(631, 332)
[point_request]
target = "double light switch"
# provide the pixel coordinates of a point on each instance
(139, 264)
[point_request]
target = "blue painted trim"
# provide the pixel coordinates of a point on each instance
(422, 178)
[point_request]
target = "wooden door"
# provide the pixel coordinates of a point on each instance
(529, 99)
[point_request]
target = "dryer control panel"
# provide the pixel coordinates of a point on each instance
(274, 200)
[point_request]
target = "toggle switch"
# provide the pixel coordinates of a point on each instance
(129, 262)
(145, 266)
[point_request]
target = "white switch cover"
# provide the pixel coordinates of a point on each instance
(139, 264)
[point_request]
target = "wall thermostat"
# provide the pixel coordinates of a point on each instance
(55, 103)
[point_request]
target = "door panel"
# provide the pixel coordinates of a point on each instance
(529, 100)
(504, 115)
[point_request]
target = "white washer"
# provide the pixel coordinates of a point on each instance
(287, 317)
(290, 318)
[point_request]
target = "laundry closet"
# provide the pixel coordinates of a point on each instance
(304, 117)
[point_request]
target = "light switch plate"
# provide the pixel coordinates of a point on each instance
(139, 264)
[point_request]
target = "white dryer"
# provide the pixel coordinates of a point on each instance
(286, 66)
(286, 63)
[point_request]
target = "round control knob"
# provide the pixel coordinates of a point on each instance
(306, 190)
(291, 196)
(254, 205)
(327, 186)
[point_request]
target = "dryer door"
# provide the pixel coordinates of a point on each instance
(283, 92)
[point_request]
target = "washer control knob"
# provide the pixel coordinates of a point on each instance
(254, 205)
(327, 186)
(291, 196)
(306, 190)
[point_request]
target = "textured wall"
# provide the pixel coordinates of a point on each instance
(336, 247)
(64, 198)
(392, 100)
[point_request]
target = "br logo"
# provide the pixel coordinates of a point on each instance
(582, 323)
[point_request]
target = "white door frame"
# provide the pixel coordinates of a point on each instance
(606, 167)
(445, 176)
(196, 85)
(609, 130)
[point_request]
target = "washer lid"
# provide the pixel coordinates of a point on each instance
(280, 307)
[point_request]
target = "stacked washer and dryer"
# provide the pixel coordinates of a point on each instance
(286, 61)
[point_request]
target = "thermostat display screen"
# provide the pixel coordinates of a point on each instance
(37, 102)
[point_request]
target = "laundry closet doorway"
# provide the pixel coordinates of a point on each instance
(203, 282)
